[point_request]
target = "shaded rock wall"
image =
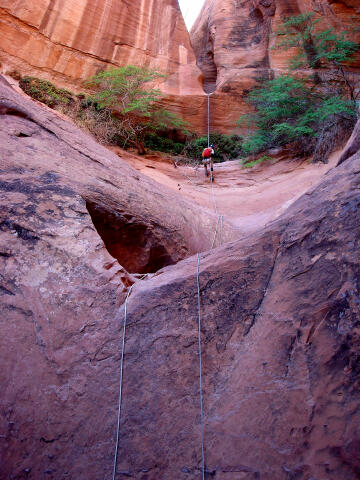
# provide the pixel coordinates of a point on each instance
(280, 324)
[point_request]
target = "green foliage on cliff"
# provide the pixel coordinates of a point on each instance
(320, 49)
(126, 88)
(288, 111)
(45, 92)
(128, 93)
(123, 109)
(315, 48)
(315, 113)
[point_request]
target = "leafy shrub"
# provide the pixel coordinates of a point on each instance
(316, 48)
(126, 90)
(45, 92)
(288, 111)
(257, 142)
(226, 146)
(253, 163)
(99, 122)
(96, 113)
(313, 115)
(163, 144)
(162, 120)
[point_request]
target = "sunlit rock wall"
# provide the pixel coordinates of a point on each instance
(67, 41)
(233, 41)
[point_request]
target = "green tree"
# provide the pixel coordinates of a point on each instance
(319, 49)
(299, 32)
(128, 93)
(313, 114)
(289, 111)
(162, 120)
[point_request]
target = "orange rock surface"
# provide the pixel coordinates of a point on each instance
(233, 43)
(74, 39)
(67, 41)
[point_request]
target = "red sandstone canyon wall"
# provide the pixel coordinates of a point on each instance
(73, 39)
(67, 41)
(232, 40)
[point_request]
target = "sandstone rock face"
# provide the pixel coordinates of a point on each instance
(352, 146)
(68, 41)
(108, 186)
(279, 310)
(232, 42)
(72, 40)
(54, 181)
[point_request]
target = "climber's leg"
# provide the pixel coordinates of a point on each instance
(212, 169)
(205, 162)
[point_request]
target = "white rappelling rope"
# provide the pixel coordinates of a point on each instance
(200, 368)
(220, 217)
(221, 228)
(208, 139)
(208, 108)
(212, 191)
(121, 382)
(216, 229)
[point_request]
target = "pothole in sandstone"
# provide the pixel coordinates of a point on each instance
(136, 246)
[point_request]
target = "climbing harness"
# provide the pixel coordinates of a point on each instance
(121, 382)
(200, 368)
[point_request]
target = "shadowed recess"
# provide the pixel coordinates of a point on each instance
(137, 247)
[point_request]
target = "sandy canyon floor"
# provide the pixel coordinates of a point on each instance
(247, 198)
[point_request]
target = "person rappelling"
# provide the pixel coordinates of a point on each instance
(208, 160)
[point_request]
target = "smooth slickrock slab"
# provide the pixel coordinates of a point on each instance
(281, 318)
(59, 286)
(130, 210)
(280, 313)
